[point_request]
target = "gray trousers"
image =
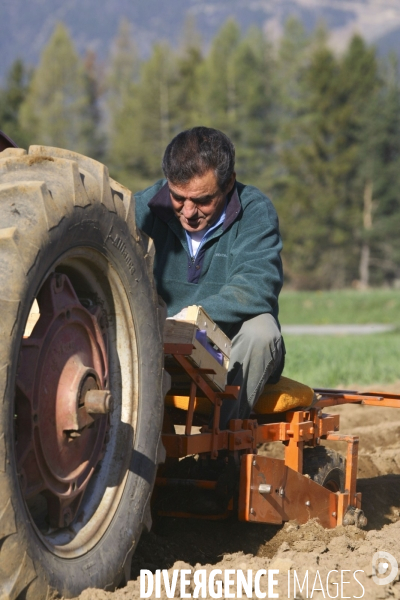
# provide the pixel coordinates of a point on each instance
(257, 356)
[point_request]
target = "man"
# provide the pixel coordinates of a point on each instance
(218, 246)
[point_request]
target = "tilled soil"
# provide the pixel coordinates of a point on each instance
(292, 549)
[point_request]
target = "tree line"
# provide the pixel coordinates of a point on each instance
(318, 131)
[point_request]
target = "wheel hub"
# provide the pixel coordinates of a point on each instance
(62, 400)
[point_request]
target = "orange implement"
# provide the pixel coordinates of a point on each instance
(260, 489)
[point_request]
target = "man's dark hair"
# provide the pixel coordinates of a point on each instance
(195, 151)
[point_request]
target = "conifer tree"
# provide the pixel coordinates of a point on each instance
(320, 197)
(293, 57)
(122, 87)
(238, 84)
(255, 114)
(11, 98)
(55, 111)
(145, 123)
(124, 68)
(94, 132)
(158, 111)
(188, 92)
(219, 79)
(379, 176)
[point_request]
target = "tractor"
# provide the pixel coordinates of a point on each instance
(109, 413)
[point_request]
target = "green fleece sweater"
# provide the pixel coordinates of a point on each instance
(237, 273)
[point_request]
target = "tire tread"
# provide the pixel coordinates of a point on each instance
(128, 203)
(61, 176)
(95, 174)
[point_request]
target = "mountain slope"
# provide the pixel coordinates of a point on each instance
(26, 27)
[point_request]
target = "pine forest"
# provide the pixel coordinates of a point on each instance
(317, 131)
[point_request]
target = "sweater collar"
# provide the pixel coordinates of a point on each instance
(233, 208)
(161, 206)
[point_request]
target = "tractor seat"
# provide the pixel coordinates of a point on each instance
(279, 397)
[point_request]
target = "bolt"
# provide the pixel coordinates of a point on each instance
(252, 511)
(334, 514)
(254, 463)
(281, 491)
(265, 488)
(308, 503)
(98, 401)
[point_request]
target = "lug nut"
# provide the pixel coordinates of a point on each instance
(98, 401)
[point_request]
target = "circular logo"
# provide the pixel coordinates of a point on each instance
(384, 568)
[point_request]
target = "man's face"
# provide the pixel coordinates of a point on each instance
(199, 203)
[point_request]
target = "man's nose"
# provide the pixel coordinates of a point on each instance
(189, 209)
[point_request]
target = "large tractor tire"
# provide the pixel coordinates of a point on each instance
(326, 467)
(81, 391)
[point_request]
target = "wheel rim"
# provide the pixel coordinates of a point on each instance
(66, 462)
(59, 442)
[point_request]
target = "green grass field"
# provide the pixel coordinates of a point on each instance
(336, 361)
(347, 306)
